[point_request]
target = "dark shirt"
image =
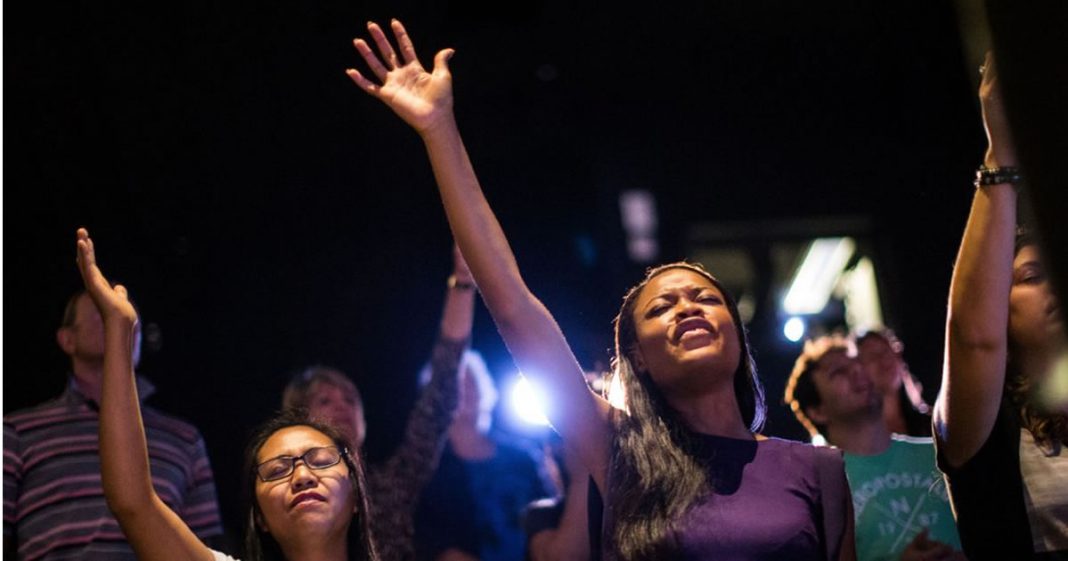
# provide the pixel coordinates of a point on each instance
(476, 506)
(394, 486)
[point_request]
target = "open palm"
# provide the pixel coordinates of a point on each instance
(423, 99)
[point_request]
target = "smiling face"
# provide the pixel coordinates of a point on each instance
(308, 504)
(686, 337)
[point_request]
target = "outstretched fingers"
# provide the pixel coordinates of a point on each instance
(389, 57)
(404, 41)
(371, 59)
(364, 84)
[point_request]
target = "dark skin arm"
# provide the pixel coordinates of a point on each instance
(423, 99)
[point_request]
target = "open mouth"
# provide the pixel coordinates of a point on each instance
(693, 327)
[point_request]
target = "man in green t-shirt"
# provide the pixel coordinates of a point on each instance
(899, 499)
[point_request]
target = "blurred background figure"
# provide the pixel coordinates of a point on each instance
(900, 503)
(54, 505)
(904, 409)
(472, 507)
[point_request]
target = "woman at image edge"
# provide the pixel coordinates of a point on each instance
(682, 355)
(315, 512)
(1002, 450)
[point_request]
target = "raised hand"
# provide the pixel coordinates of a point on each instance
(423, 99)
(1000, 152)
(112, 302)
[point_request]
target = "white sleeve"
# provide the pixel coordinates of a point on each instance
(220, 556)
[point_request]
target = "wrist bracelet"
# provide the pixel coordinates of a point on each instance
(458, 284)
(996, 176)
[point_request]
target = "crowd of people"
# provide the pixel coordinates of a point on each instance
(679, 470)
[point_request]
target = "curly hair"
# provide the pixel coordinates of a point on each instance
(654, 475)
(260, 545)
(801, 392)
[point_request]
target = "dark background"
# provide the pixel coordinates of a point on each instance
(266, 214)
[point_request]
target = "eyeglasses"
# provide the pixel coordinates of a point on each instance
(315, 458)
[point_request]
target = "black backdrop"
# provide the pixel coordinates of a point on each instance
(266, 214)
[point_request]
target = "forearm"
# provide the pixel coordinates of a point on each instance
(982, 276)
(473, 223)
(458, 314)
(124, 467)
(571, 540)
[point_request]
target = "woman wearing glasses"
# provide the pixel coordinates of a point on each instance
(306, 487)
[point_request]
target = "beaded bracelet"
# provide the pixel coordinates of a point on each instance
(996, 176)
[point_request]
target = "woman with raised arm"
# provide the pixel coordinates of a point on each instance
(684, 474)
(305, 482)
(1000, 445)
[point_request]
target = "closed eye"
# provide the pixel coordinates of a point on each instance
(657, 310)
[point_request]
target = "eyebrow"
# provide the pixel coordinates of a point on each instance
(670, 293)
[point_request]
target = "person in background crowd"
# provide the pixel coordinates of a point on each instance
(394, 486)
(904, 410)
(54, 505)
(471, 508)
(1001, 441)
(900, 502)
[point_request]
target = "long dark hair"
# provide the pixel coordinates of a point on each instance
(261, 545)
(654, 475)
(1049, 428)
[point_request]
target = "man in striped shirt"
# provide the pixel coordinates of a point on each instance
(54, 505)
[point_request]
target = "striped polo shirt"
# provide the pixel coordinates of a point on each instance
(54, 506)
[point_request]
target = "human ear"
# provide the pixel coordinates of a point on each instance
(637, 361)
(65, 340)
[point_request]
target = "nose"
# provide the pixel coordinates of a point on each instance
(686, 308)
(303, 477)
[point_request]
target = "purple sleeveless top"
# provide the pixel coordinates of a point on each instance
(773, 499)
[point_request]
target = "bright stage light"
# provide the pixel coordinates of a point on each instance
(817, 275)
(794, 329)
(528, 402)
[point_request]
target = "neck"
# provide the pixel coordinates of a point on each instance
(469, 443)
(324, 548)
(89, 374)
(866, 436)
(713, 413)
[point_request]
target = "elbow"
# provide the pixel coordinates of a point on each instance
(126, 502)
(976, 335)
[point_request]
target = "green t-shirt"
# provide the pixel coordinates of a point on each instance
(897, 494)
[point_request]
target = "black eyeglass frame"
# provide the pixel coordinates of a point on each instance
(342, 454)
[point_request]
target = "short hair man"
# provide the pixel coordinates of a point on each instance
(54, 506)
(899, 499)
